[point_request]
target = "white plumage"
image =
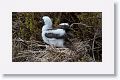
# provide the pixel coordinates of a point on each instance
(52, 36)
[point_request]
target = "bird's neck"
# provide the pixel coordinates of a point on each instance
(46, 27)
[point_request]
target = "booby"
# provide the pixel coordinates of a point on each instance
(53, 36)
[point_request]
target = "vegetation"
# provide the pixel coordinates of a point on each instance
(28, 46)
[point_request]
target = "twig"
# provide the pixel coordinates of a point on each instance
(31, 52)
(21, 56)
(56, 57)
(93, 45)
(80, 24)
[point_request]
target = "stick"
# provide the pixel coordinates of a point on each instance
(80, 24)
(93, 45)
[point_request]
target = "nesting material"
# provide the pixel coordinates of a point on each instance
(46, 53)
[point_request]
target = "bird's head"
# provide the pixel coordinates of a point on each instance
(46, 21)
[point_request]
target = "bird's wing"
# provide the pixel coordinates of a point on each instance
(53, 35)
(58, 34)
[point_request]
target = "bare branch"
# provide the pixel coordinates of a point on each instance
(80, 24)
(93, 45)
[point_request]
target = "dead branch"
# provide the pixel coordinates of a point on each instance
(80, 24)
(93, 45)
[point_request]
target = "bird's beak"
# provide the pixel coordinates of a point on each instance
(42, 22)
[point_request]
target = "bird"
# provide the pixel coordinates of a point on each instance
(54, 36)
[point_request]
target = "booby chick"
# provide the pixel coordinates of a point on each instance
(52, 36)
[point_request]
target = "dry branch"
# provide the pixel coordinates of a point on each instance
(93, 45)
(80, 24)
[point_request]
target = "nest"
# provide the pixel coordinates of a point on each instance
(32, 51)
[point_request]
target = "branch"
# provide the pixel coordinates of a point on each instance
(93, 45)
(80, 24)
